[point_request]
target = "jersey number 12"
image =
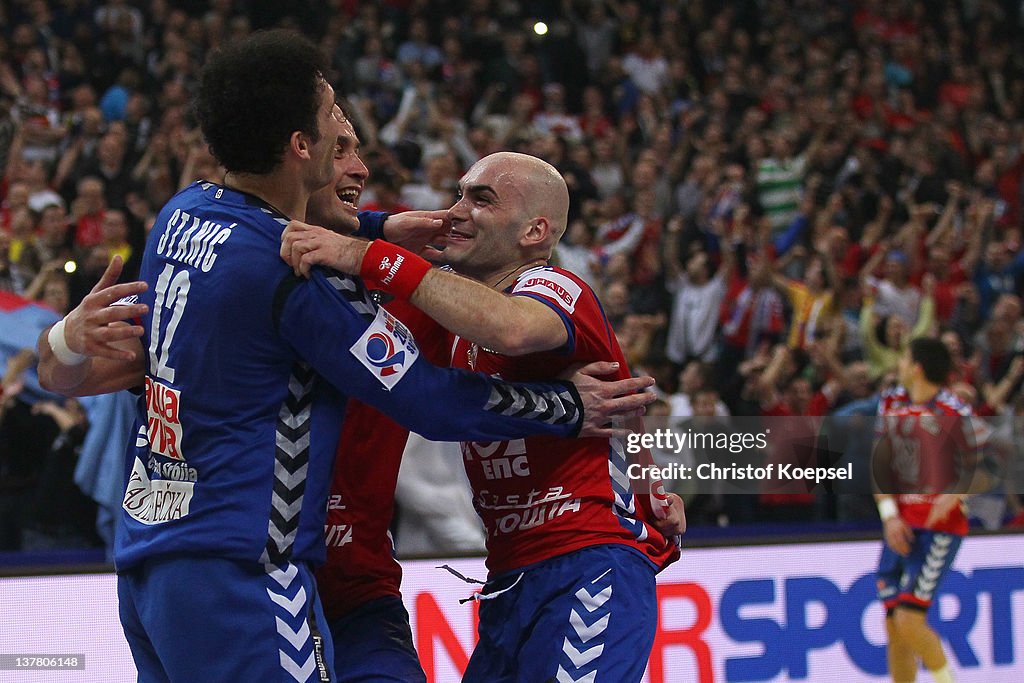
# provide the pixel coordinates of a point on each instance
(172, 294)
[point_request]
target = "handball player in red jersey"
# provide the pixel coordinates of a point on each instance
(928, 445)
(572, 550)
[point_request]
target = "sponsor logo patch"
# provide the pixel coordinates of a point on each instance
(386, 349)
(551, 285)
(163, 405)
(156, 501)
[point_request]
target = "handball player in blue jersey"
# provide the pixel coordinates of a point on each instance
(247, 370)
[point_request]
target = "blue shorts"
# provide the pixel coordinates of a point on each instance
(911, 581)
(373, 644)
(219, 621)
(590, 614)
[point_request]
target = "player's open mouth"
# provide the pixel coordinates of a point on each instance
(349, 196)
(454, 234)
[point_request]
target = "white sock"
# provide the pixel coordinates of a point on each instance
(943, 675)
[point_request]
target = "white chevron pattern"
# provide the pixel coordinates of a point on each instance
(290, 465)
(581, 657)
(358, 297)
(292, 606)
(931, 571)
(297, 639)
(299, 673)
(585, 632)
(593, 602)
(564, 676)
(284, 577)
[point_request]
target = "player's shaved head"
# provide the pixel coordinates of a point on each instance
(512, 210)
(543, 190)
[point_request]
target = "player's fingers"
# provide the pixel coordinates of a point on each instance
(297, 249)
(297, 228)
(597, 368)
(110, 275)
(308, 260)
(113, 333)
(291, 250)
(628, 405)
(906, 538)
(437, 214)
(286, 248)
(112, 314)
(631, 385)
(111, 352)
(104, 297)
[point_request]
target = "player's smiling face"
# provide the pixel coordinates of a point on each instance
(336, 206)
(486, 220)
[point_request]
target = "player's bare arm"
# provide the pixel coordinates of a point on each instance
(509, 325)
(100, 351)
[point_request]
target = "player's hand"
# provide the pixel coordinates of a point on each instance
(94, 327)
(674, 523)
(419, 231)
(605, 399)
(898, 535)
(304, 246)
(941, 508)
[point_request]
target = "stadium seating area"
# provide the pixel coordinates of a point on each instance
(771, 198)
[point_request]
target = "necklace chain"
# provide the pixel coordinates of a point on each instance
(536, 261)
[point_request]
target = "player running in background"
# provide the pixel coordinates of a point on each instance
(572, 553)
(928, 445)
(227, 480)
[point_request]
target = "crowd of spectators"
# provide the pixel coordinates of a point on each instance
(771, 197)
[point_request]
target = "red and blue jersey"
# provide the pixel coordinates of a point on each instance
(543, 496)
(930, 444)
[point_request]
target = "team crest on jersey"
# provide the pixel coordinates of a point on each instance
(386, 349)
(551, 285)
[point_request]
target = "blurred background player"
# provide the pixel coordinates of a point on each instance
(928, 442)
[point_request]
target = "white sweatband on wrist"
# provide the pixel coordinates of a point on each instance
(61, 351)
(887, 509)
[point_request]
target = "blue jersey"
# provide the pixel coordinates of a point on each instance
(248, 369)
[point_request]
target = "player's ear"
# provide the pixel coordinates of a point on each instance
(538, 231)
(299, 144)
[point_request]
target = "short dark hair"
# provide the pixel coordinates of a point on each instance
(254, 94)
(933, 357)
